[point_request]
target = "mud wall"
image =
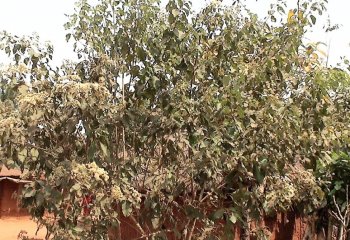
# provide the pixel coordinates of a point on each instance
(283, 226)
(8, 201)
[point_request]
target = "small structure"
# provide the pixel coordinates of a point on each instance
(11, 182)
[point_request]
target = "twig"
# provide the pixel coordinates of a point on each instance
(342, 218)
(152, 234)
(192, 229)
(138, 225)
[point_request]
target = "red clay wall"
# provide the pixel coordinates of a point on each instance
(282, 227)
(8, 204)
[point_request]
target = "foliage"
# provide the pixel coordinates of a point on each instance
(333, 171)
(183, 122)
(335, 176)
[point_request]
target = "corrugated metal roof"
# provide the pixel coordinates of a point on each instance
(5, 172)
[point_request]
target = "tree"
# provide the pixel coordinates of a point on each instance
(185, 123)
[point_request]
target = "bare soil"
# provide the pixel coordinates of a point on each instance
(11, 227)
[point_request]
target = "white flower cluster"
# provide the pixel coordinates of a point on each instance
(99, 173)
(116, 193)
(83, 95)
(277, 193)
(81, 88)
(87, 174)
(7, 123)
(22, 68)
(59, 172)
(307, 187)
(13, 69)
(30, 100)
(297, 186)
(69, 78)
(6, 107)
(132, 195)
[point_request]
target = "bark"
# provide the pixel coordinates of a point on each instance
(246, 228)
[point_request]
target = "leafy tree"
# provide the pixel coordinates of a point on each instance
(184, 123)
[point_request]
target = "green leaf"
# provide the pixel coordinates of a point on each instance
(8, 50)
(91, 151)
(76, 187)
(17, 57)
(338, 185)
(313, 19)
(219, 214)
(273, 18)
(175, 12)
(226, 81)
(233, 218)
(39, 198)
(68, 36)
(258, 174)
(104, 149)
(126, 208)
(23, 89)
(29, 192)
(180, 34)
(79, 229)
(193, 212)
(22, 155)
(34, 153)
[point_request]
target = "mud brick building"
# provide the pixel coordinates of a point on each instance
(11, 182)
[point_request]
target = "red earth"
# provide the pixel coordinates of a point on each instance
(11, 227)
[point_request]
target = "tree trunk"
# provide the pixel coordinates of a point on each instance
(245, 234)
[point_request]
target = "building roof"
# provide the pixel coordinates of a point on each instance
(15, 180)
(5, 172)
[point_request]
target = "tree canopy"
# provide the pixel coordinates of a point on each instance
(184, 122)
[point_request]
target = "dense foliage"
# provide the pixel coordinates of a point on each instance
(185, 123)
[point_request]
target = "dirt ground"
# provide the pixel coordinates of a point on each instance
(10, 227)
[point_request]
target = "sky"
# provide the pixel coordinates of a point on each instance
(46, 17)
